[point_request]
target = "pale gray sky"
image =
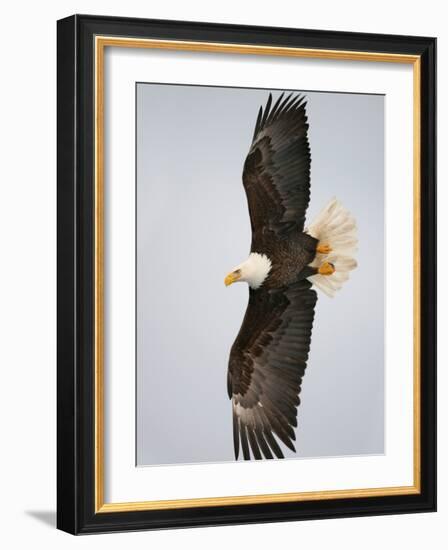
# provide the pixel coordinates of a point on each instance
(193, 227)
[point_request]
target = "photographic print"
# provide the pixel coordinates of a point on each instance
(246, 274)
(281, 191)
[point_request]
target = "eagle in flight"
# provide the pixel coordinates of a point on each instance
(286, 263)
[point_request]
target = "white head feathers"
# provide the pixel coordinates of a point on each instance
(254, 270)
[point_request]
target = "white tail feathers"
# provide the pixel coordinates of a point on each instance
(336, 227)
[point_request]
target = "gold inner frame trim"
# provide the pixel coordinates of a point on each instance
(101, 42)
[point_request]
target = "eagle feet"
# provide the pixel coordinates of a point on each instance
(323, 248)
(326, 269)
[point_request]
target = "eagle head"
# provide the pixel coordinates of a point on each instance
(253, 271)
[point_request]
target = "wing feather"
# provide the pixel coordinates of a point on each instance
(276, 173)
(236, 436)
(253, 442)
(266, 366)
(244, 444)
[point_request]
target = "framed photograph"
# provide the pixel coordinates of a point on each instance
(246, 274)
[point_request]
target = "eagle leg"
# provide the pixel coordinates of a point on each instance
(326, 269)
(323, 248)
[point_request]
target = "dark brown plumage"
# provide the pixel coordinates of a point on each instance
(266, 366)
(276, 177)
(276, 173)
(268, 358)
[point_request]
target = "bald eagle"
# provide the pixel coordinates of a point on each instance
(286, 263)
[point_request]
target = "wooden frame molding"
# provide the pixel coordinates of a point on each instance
(82, 43)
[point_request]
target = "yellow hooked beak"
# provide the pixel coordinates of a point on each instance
(232, 278)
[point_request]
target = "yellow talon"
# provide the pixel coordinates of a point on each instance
(326, 269)
(323, 249)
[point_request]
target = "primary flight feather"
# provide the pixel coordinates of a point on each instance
(286, 261)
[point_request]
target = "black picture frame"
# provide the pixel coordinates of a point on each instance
(76, 263)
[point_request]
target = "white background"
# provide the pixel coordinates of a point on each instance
(27, 289)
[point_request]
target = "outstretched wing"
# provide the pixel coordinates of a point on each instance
(266, 366)
(276, 173)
